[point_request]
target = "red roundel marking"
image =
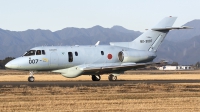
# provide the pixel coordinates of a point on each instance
(109, 56)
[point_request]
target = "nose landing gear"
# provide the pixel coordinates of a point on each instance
(31, 78)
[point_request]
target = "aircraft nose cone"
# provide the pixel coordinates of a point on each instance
(10, 65)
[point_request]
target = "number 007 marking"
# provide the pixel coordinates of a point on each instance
(33, 61)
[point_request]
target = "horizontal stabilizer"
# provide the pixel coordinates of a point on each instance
(170, 28)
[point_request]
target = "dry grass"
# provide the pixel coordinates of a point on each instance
(130, 97)
(131, 75)
(45, 77)
(137, 97)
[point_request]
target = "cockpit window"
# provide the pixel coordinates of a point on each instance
(38, 52)
(43, 52)
(34, 52)
(30, 53)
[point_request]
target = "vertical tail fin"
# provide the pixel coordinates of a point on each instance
(151, 39)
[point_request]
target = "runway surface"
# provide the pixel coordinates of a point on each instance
(90, 83)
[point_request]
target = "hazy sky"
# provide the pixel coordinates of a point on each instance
(20, 15)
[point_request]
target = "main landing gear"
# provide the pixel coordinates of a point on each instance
(96, 77)
(111, 77)
(31, 78)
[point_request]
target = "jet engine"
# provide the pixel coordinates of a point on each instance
(136, 56)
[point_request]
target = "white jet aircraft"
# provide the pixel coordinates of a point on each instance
(95, 60)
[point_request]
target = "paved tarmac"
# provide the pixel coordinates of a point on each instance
(90, 83)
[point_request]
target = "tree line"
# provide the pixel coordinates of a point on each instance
(5, 61)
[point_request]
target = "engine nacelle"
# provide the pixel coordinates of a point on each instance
(136, 56)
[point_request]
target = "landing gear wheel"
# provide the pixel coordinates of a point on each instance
(96, 77)
(112, 78)
(31, 79)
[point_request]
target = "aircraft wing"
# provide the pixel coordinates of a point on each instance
(110, 67)
(91, 69)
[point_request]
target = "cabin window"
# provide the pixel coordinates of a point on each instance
(43, 52)
(30, 53)
(70, 56)
(102, 53)
(38, 52)
(76, 53)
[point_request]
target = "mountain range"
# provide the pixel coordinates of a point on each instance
(182, 46)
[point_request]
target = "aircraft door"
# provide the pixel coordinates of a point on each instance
(70, 56)
(53, 59)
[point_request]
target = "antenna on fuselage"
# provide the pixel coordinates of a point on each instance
(97, 43)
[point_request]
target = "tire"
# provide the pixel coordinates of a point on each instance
(112, 78)
(96, 77)
(31, 79)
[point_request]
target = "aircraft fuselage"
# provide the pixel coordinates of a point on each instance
(60, 57)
